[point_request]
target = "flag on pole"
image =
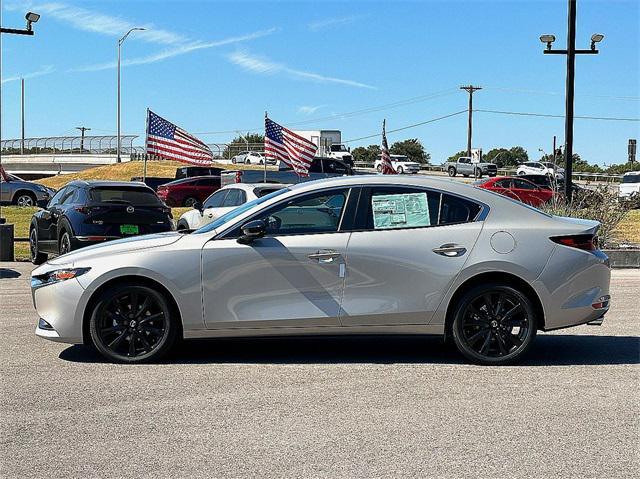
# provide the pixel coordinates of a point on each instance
(387, 167)
(282, 144)
(170, 142)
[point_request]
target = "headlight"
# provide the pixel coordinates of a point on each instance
(57, 276)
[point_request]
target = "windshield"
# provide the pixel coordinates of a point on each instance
(238, 211)
(631, 178)
(338, 148)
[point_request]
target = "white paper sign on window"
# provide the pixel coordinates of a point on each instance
(408, 210)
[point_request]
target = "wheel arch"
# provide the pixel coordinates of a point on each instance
(130, 278)
(23, 190)
(509, 279)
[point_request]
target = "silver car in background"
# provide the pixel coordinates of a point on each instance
(16, 191)
(349, 255)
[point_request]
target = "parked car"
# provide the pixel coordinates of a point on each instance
(630, 185)
(518, 189)
(154, 182)
(224, 200)
(540, 168)
(188, 191)
(347, 255)
(84, 213)
(16, 191)
(252, 158)
(466, 167)
(401, 164)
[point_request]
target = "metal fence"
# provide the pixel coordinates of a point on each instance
(106, 144)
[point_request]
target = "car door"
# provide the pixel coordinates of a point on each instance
(408, 245)
(525, 192)
(47, 222)
(292, 277)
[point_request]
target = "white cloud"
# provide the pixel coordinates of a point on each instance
(332, 22)
(45, 70)
(309, 110)
(264, 66)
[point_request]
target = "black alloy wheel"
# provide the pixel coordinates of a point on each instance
(35, 255)
(65, 244)
(452, 172)
(494, 324)
(132, 323)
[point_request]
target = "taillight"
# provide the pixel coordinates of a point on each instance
(85, 210)
(583, 242)
(238, 176)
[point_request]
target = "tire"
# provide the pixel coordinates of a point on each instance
(520, 173)
(400, 170)
(379, 168)
(247, 161)
(477, 173)
(233, 160)
(34, 254)
(466, 176)
(494, 324)
(189, 201)
(25, 199)
(64, 245)
(452, 172)
(132, 323)
(182, 225)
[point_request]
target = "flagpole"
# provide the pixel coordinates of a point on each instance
(265, 153)
(146, 136)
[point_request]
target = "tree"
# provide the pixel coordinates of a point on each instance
(455, 156)
(366, 155)
(412, 148)
(238, 144)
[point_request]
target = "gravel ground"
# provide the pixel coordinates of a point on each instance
(359, 407)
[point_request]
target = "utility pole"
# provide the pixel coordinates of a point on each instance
(82, 130)
(470, 89)
(554, 150)
(22, 110)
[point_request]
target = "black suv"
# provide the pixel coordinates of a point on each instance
(89, 212)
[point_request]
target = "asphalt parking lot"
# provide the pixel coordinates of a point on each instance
(359, 407)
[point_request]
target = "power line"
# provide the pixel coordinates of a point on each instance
(556, 93)
(547, 115)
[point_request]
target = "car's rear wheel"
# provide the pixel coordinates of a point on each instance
(190, 201)
(379, 168)
(400, 170)
(477, 173)
(452, 172)
(494, 324)
(36, 256)
(25, 200)
(132, 323)
(65, 243)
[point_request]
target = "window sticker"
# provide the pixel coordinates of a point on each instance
(409, 210)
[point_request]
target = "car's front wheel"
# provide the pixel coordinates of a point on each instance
(400, 170)
(494, 324)
(133, 323)
(64, 246)
(25, 200)
(452, 172)
(36, 256)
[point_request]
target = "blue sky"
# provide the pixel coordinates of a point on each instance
(217, 66)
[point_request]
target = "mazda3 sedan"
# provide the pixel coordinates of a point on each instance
(349, 255)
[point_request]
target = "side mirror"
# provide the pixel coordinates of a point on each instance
(198, 206)
(252, 230)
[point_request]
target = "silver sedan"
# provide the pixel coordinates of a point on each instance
(349, 255)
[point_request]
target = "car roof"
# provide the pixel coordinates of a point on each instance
(190, 178)
(252, 186)
(104, 183)
(632, 173)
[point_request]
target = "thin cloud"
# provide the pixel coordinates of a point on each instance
(333, 22)
(309, 110)
(175, 51)
(264, 66)
(45, 70)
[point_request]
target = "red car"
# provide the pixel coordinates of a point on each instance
(188, 191)
(518, 189)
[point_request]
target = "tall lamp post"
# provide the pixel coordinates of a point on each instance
(571, 53)
(31, 18)
(120, 42)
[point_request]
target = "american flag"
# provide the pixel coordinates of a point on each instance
(387, 167)
(171, 142)
(283, 144)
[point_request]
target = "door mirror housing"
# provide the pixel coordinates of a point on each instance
(198, 206)
(252, 230)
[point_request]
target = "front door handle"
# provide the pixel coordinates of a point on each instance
(324, 256)
(450, 250)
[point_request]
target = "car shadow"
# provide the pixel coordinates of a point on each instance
(550, 350)
(6, 273)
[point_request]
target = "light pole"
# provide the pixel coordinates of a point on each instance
(120, 42)
(571, 53)
(544, 155)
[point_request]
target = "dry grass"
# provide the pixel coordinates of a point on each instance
(629, 228)
(125, 171)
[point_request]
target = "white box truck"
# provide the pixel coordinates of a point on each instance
(329, 143)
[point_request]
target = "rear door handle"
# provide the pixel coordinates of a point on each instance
(450, 250)
(324, 256)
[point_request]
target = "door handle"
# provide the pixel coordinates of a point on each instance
(324, 256)
(450, 250)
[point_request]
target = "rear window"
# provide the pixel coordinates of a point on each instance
(134, 196)
(260, 192)
(631, 179)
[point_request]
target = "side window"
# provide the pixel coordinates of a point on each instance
(56, 198)
(216, 199)
(503, 183)
(69, 196)
(523, 185)
(235, 197)
(309, 214)
(457, 210)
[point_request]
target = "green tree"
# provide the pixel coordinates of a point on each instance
(455, 156)
(412, 148)
(367, 155)
(239, 143)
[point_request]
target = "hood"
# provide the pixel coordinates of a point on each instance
(124, 245)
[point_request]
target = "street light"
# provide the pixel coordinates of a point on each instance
(120, 42)
(571, 53)
(31, 18)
